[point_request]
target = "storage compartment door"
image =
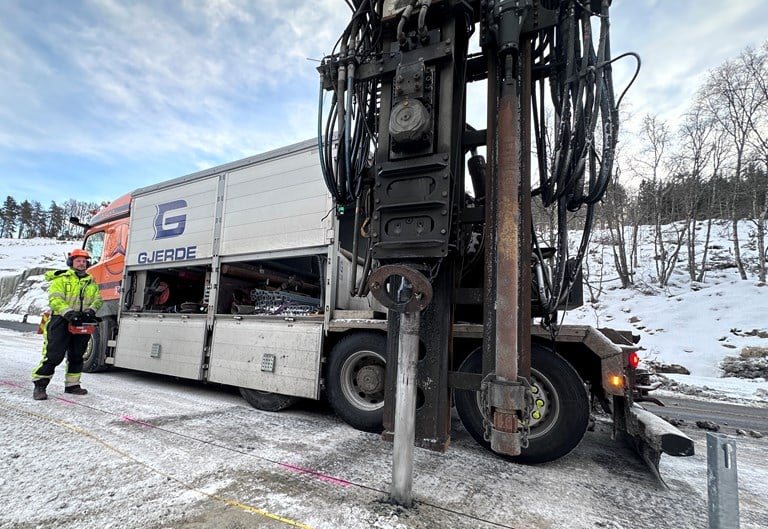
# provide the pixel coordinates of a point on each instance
(280, 204)
(162, 344)
(279, 357)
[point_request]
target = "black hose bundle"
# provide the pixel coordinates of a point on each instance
(351, 118)
(577, 170)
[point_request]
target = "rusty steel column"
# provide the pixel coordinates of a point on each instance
(508, 230)
(526, 242)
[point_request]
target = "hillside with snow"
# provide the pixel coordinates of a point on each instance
(712, 329)
(23, 262)
(715, 330)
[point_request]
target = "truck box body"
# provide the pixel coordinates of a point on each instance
(212, 233)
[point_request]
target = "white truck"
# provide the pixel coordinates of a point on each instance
(235, 275)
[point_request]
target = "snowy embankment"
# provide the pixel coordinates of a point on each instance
(699, 334)
(22, 265)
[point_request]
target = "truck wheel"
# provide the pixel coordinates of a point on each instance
(560, 414)
(266, 401)
(355, 380)
(96, 351)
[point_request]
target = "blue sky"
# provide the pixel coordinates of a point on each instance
(100, 97)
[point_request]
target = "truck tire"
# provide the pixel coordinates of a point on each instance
(96, 352)
(560, 400)
(266, 401)
(355, 380)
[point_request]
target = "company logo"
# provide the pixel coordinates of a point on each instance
(170, 225)
(164, 255)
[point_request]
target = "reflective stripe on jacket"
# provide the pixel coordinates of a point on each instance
(68, 292)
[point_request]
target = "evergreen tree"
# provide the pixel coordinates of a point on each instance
(26, 220)
(39, 220)
(56, 220)
(9, 215)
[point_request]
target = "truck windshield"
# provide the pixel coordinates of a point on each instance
(94, 245)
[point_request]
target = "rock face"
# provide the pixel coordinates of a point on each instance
(18, 292)
(751, 363)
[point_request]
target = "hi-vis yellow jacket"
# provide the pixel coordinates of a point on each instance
(67, 292)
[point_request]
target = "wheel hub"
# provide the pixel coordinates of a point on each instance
(370, 379)
(540, 408)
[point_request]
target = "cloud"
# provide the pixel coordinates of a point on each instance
(110, 76)
(112, 93)
(679, 42)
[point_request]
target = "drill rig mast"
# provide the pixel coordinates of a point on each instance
(438, 248)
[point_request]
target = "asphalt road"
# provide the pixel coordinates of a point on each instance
(18, 326)
(142, 450)
(728, 416)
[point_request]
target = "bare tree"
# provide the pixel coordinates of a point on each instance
(717, 160)
(694, 156)
(755, 62)
(656, 140)
(615, 208)
(735, 101)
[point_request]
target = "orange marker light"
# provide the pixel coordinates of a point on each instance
(616, 380)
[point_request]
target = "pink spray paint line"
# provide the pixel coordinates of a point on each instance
(136, 421)
(318, 475)
(13, 384)
(62, 399)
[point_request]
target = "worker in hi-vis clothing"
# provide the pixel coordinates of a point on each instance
(74, 298)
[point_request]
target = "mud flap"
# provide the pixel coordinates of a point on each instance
(653, 436)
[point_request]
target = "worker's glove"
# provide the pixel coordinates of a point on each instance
(74, 317)
(89, 316)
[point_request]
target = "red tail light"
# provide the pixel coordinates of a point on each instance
(634, 359)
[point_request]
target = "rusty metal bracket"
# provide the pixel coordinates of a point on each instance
(384, 290)
(504, 403)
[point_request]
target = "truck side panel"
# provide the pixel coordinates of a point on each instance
(173, 224)
(275, 205)
(280, 357)
(160, 344)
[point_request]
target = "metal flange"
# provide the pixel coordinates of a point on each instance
(385, 290)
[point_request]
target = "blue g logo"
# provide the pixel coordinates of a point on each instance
(170, 226)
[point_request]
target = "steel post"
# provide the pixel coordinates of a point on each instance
(405, 409)
(722, 482)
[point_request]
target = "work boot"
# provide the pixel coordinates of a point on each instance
(75, 390)
(39, 391)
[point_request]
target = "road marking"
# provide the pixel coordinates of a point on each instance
(324, 477)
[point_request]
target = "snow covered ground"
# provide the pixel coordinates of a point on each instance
(146, 451)
(691, 324)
